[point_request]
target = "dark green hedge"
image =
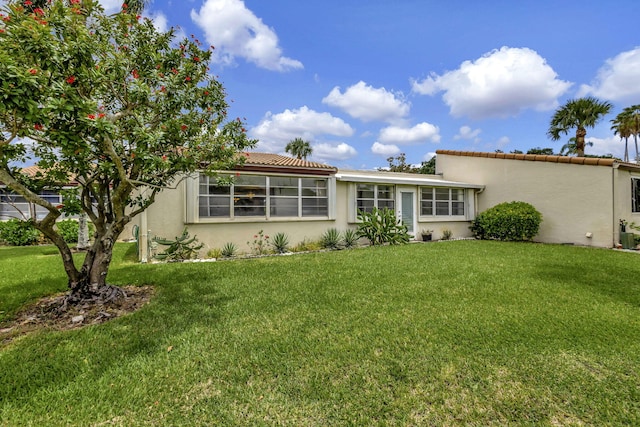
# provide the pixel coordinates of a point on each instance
(514, 221)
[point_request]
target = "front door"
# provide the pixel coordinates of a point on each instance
(407, 211)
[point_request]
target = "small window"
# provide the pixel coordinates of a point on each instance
(441, 201)
(369, 196)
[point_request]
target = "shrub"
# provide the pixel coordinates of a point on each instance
(513, 221)
(280, 243)
(229, 250)
(15, 232)
(381, 226)
(214, 253)
(68, 229)
(330, 239)
(260, 244)
(182, 248)
(306, 245)
(447, 234)
(350, 238)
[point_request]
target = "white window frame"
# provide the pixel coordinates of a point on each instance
(193, 200)
(449, 203)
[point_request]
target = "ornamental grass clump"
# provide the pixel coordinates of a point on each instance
(510, 221)
(280, 243)
(331, 239)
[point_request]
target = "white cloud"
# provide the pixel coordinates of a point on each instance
(385, 149)
(503, 141)
(618, 79)
(275, 130)
(428, 156)
(327, 152)
(466, 132)
(160, 22)
(422, 132)
(235, 31)
(610, 145)
(368, 103)
(501, 83)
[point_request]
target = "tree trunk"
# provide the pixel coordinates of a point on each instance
(580, 135)
(83, 232)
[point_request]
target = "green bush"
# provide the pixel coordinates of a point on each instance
(68, 229)
(350, 238)
(15, 232)
(512, 221)
(381, 226)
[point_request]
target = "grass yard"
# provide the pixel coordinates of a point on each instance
(454, 333)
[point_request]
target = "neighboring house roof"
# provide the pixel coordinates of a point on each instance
(399, 178)
(266, 162)
(593, 161)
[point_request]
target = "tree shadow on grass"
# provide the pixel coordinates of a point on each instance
(621, 285)
(51, 359)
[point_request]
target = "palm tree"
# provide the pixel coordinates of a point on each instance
(633, 116)
(299, 148)
(569, 149)
(579, 114)
(622, 127)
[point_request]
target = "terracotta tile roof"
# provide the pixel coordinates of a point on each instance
(595, 161)
(277, 161)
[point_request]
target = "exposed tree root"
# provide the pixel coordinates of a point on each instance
(62, 312)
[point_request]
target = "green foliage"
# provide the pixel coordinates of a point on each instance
(330, 239)
(380, 226)
(350, 238)
(15, 232)
(68, 229)
(306, 246)
(229, 250)
(214, 253)
(299, 148)
(515, 221)
(447, 234)
(181, 248)
(113, 101)
(260, 244)
(280, 242)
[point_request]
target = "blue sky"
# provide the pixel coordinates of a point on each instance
(365, 80)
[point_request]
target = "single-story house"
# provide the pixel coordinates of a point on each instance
(582, 199)
(303, 199)
(13, 205)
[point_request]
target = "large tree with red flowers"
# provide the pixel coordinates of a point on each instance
(111, 103)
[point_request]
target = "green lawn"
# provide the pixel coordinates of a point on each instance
(453, 333)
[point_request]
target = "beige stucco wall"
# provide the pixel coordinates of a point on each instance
(574, 199)
(168, 216)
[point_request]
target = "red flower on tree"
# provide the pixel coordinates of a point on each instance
(135, 74)
(91, 116)
(37, 126)
(33, 71)
(74, 1)
(71, 79)
(183, 127)
(28, 3)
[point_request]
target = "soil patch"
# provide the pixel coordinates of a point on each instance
(45, 313)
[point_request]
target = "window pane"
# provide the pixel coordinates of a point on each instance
(385, 192)
(365, 205)
(249, 206)
(314, 187)
(442, 194)
(635, 195)
(283, 186)
(457, 194)
(214, 206)
(315, 207)
(427, 194)
(386, 204)
(282, 206)
(442, 208)
(457, 208)
(426, 208)
(365, 191)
